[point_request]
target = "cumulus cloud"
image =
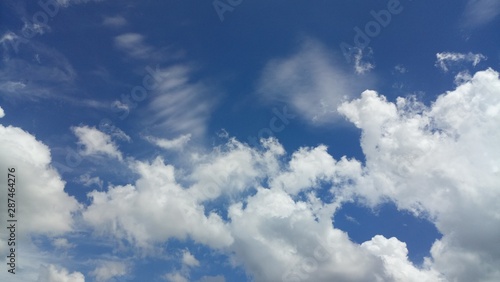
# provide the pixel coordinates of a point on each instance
(2, 113)
(311, 82)
(442, 162)
(96, 142)
(447, 59)
(188, 259)
(107, 270)
(175, 277)
(153, 210)
(52, 273)
(47, 209)
(62, 243)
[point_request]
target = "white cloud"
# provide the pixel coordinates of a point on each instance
(311, 82)
(442, 161)
(481, 12)
(170, 144)
(62, 243)
(218, 278)
(107, 270)
(447, 59)
(153, 210)
(395, 256)
(52, 273)
(175, 277)
(133, 44)
(179, 104)
(96, 142)
(188, 259)
(2, 113)
(46, 208)
(88, 181)
(361, 65)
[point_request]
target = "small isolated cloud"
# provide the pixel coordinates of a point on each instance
(188, 259)
(96, 142)
(448, 59)
(88, 181)
(480, 12)
(361, 65)
(107, 270)
(52, 273)
(400, 69)
(62, 243)
(170, 144)
(116, 21)
(2, 113)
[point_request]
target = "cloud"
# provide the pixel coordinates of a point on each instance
(188, 259)
(133, 44)
(400, 69)
(440, 162)
(116, 21)
(52, 273)
(46, 208)
(179, 106)
(153, 210)
(96, 142)
(447, 59)
(218, 278)
(107, 270)
(480, 12)
(2, 113)
(175, 277)
(361, 66)
(62, 243)
(170, 144)
(88, 181)
(312, 82)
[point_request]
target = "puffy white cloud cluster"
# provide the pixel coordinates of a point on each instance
(440, 161)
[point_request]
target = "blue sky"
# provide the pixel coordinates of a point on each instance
(239, 140)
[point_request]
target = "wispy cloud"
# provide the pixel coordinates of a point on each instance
(480, 12)
(312, 82)
(447, 59)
